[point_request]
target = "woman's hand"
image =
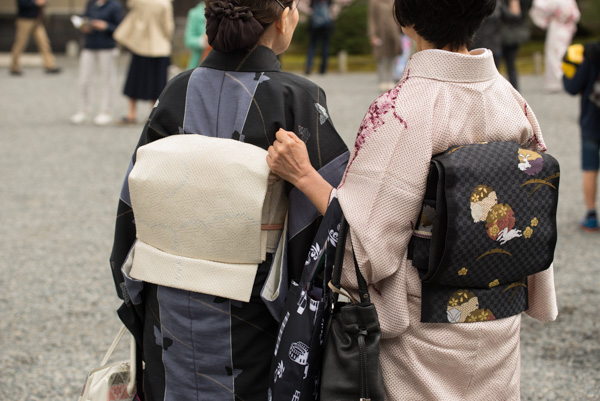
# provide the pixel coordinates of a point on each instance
(98, 24)
(288, 158)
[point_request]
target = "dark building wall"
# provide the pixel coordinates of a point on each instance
(181, 7)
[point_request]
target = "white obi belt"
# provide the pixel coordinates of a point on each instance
(207, 212)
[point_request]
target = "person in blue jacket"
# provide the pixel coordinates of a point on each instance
(586, 81)
(100, 20)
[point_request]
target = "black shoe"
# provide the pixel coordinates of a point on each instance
(16, 72)
(126, 121)
(54, 70)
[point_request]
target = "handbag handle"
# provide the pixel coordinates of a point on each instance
(132, 362)
(339, 261)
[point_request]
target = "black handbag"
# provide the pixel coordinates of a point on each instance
(350, 369)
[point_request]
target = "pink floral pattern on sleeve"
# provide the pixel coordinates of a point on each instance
(534, 138)
(374, 119)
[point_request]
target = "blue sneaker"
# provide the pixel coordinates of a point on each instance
(590, 222)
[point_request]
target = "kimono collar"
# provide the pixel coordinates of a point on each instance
(257, 59)
(447, 66)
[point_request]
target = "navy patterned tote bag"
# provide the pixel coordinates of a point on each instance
(296, 363)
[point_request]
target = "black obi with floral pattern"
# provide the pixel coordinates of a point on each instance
(488, 222)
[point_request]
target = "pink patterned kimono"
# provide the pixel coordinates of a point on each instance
(444, 99)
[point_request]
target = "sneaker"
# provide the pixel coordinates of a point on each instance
(126, 122)
(53, 70)
(590, 222)
(103, 119)
(16, 72)
(80, 118)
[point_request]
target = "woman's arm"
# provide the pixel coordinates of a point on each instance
(168, 25)
(511, 11)
(115, 18)
(288, 158)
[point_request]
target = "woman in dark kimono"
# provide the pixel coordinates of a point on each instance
(198, 345)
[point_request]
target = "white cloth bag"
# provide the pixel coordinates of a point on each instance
(113, 382)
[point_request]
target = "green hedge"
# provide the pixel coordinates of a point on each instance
(350, 32)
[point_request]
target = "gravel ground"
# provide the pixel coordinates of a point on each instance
(58, 197)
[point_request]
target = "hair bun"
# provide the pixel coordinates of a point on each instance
(230, 26)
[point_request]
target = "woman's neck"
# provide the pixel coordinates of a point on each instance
(422, 44)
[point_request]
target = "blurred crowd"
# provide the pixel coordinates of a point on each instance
(146, 27)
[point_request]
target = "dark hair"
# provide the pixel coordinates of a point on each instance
(238, 24)
(444, 22)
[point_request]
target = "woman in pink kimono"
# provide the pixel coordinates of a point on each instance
(446, 97)
(559, 18)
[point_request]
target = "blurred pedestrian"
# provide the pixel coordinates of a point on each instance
(384, 34)
(146, 31)
(559, 18)
(320, 29)
(100, 20)
(586, 82)
(401, 60)
(488, 35)
(29, 21)
(515, 31)
(195, 34)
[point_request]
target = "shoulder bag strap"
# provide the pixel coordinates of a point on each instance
(337, 268)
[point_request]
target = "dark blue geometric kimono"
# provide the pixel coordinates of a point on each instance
(198, 346)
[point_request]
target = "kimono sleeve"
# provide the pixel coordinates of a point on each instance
(541, 291)
(165, 119)
(381, 196)
(382, 191)
(310, 120)
(542, 296)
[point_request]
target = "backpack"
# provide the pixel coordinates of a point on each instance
(321, 16)
(488, 221)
